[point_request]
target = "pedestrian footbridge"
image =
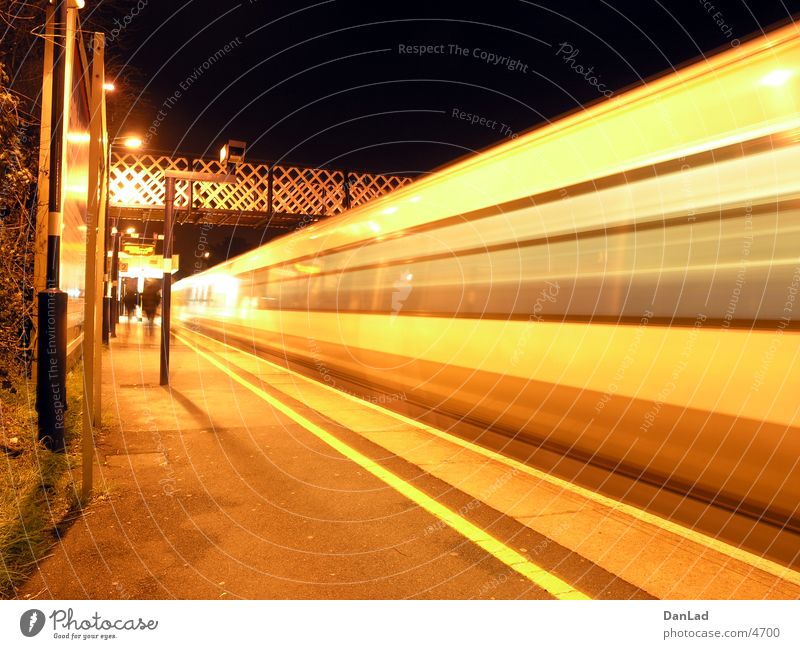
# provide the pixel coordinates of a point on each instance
(265, 194)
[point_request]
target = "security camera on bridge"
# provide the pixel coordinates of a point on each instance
(232, 153)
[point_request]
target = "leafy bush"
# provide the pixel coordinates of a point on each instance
(17, 232)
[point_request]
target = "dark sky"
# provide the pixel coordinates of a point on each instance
(325, 84)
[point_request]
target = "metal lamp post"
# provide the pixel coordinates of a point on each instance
(166, 290)
(230, 155)
(51, 398)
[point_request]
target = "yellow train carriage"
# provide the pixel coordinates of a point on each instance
(618, 287)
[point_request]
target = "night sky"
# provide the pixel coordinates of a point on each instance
(337, 83)
(325, 83)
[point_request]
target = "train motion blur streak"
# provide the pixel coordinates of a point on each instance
(619, 286)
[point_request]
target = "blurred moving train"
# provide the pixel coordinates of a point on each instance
(620, 286)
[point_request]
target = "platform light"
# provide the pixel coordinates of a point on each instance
(232, 152)
(776, 78)
(131, 230)
(109, 87)
(132, 142)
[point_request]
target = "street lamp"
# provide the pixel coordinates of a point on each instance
(230, 156)
(132, 142)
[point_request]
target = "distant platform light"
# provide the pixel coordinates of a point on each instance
(232, 152)
(109, 87)
(776, 78)
(132, 142)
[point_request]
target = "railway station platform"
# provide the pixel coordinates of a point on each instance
(245, 479)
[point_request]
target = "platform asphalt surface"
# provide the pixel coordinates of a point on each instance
(205, 491)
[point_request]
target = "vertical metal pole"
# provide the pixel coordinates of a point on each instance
(346, 190)
(270, 179)
(96, 171)
(166, 288)
(107, 245)
(56, 148)
(42, 215)
(51, 398)
(191, 198)
(101, 334)
(114, 316)
(102, 237)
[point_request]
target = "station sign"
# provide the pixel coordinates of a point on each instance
(138, 249)
(152, 266)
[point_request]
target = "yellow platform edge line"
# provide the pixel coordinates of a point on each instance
(765, 565)
(513, 559)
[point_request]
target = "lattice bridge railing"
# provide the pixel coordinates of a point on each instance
(276, 195)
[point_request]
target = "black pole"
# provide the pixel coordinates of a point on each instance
(51, 393)
(166, 289)
(191, 197)
(106, 248)
(270, 179)
(346, 190)
(106, 318)
(114, 314)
